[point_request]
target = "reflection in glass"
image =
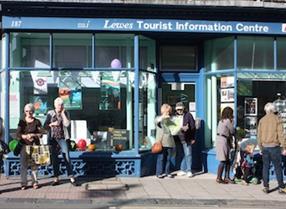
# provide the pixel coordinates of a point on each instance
(30, 50)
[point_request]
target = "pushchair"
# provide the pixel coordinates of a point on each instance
(248, 164)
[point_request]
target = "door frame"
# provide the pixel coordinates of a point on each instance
(197, 79)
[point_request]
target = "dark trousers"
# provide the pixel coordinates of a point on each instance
(164, 161)
(272, 154)
(56, 147)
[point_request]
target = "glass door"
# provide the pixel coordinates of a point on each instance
(179, 92)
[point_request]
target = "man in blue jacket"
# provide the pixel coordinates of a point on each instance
(186, 137)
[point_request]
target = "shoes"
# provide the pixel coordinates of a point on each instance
(282, 190)
(266, 190)
(24, 187)
(189, 174)
(74, 183)
(161, 176)
(36, 186)
(55, 183)
(170, 176)
(220, 181)
(229, 181)
(181, 173)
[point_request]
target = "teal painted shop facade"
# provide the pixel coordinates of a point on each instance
(114, 73)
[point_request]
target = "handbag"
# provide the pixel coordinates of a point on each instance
(157, 147)
(39, 154)
(18, 148)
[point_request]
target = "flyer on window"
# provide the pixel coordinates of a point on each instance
(70, 90)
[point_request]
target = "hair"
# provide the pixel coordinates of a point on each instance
(227, 113)
(165, 108)
(58, 100)
(29, 106)
(269, 108)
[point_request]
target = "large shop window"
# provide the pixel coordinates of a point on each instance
(178, 58)
(29, 50)
(254, 94)
(219, 54)
(255, 53)
(96, 101)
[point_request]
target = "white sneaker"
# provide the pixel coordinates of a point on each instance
(181, 173)
(189, 174)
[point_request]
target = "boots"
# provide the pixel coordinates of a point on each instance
(219, 174)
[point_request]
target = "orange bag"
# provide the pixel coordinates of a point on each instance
(157, 147)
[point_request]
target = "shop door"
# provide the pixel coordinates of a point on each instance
(179, 92)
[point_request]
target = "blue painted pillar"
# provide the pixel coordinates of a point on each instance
(7, 87)
(136, 94)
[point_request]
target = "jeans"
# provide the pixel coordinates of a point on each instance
(186, 164)
(62, 145)
(25, 162)
(272, 154)
(164, 161)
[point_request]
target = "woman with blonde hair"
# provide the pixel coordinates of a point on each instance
(57, 123)
(163, 134)
(28, 132)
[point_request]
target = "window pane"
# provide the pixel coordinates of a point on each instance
(72, 50)
(281, 51)
(147, 110)
(147, 54)
(96, 101)
(178, 57)
(30, 50)
(255, 53)
(113, 50)
(219, 54)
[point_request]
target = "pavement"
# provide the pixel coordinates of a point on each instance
(201, 190)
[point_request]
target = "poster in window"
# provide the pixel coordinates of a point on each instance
(250, 125)
(250, 106)
(110, 91)
(227, 95)
(70, 90)
(40, 103)
(227, 82)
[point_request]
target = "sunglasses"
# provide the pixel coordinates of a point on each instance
(179, 109)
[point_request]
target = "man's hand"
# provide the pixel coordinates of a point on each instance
(284, 152)
(193, 141)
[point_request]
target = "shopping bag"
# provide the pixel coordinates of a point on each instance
(40, 154)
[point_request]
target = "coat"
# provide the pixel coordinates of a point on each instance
(189, 135)
(163, 133)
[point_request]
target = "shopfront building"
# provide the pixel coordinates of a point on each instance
(114, 73)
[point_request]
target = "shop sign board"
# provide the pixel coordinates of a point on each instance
(155, 25)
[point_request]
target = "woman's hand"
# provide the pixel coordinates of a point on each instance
(54, 124)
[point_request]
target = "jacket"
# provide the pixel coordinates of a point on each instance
(270, 132)
(189, 135)
(163, 133)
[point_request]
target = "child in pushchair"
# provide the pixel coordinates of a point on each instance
(248, 165)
